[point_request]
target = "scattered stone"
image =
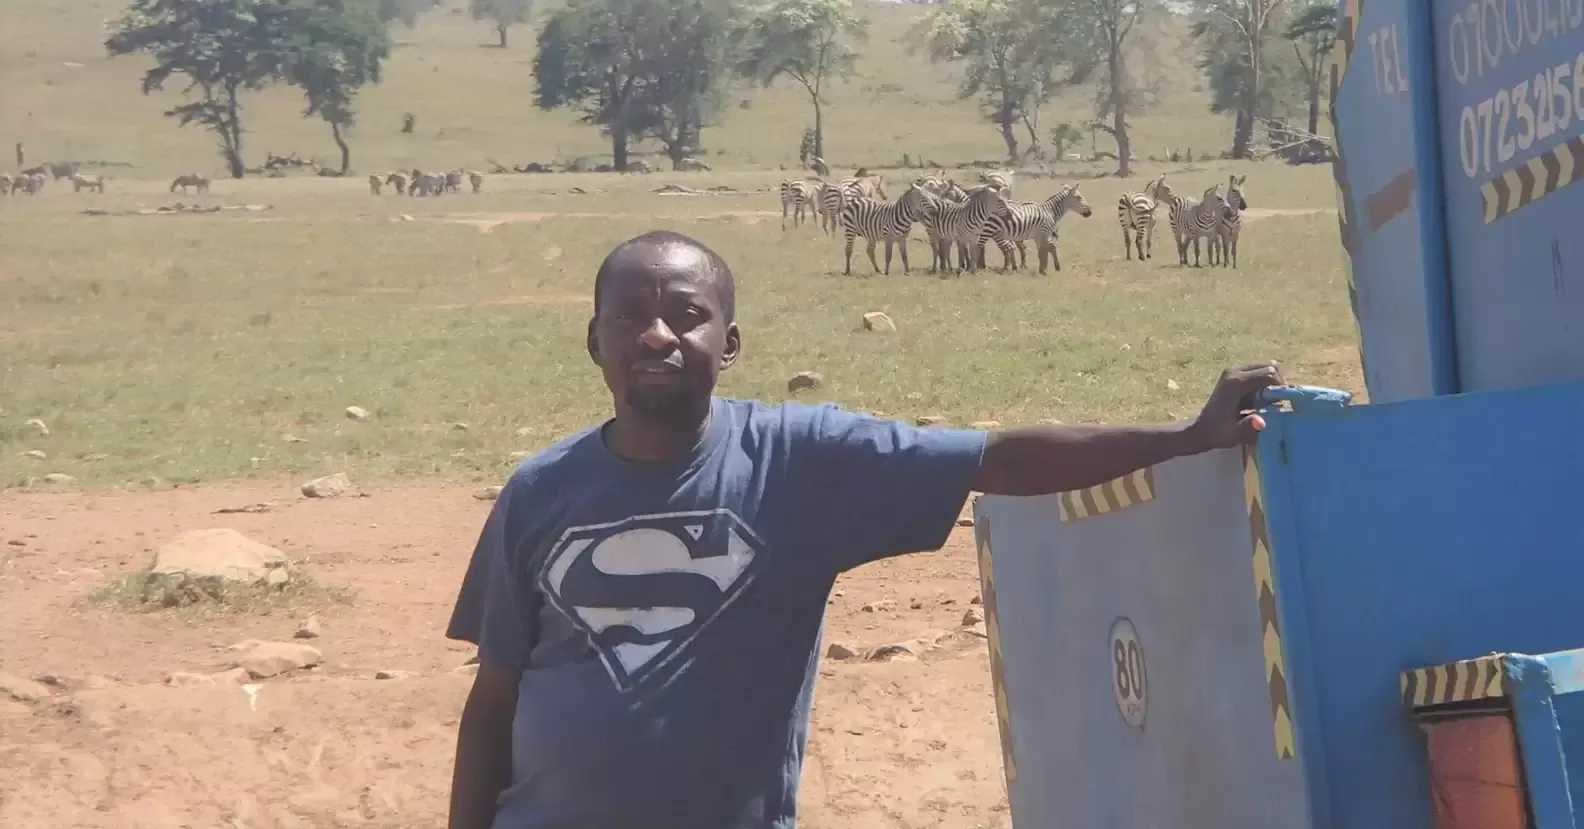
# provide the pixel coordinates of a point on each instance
(965, 521)
(330, 486)
(1171, 385)
(472, 660)
(804, 380)
(977, 630)
(182, 679)
(35, 454)
(309, 629)
(58, 478)
(357, 413)
(488, 493)
(526, 431)
(878, 321)
(878, 607)
(470, 669)
(916, 604)
(973, 617)
(903, 651)
(1049, 421)
(985, 425)
(459, 426)
(247, 508)
(268, 659)
(521, 456)
(931, 420)
(220, 554)
(392, 674)
(277, 577)
(95, 457)
(38, 428)
(22, 690)
(836, 650)
(16, 542)
(293, 439)
(976, 600)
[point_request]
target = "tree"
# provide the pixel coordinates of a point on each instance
(1313, 35)
(221, 47)
(335, 48)
(503, 13)
(588, 58)
(1232, 33)
(808, 41)
(687, 50)
(1008, 51)
(1100, 36)
(405, 12)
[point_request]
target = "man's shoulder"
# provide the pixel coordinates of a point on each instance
(553, 462)
(792, 414)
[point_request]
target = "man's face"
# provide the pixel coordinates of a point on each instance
(660, 336)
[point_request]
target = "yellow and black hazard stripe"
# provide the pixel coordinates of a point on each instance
(1465, 681)
(1270, 628)
(1119, 493)
(1533, 180)
(997, 669)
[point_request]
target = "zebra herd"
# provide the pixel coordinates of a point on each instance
(973, 218)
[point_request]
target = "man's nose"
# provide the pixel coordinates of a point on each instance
(658, 336)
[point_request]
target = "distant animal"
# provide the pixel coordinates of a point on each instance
(1224, 245)
(798, 196)
(878, 221)
(1193, 220)
(398, 180)
(692, 165)
(82, 182)
(1002, 180)
(961, 225)
(1136, 214)
(6, 183)
(819, 167)
(375, 183)
(1036, 222)
(476, 179)
(30, 184)
(62, 169)
(453, 181)
(194, 180)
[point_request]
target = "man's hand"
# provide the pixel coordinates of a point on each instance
(1227, 419)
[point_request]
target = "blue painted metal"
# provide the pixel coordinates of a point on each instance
(1383, 119)
(1517, 287)
(1304, 398)
(1179, 568)
(1567, 671)
(1384, 522)
(1535, 721)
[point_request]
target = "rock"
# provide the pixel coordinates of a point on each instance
(459, 426)
(392, 674)
(309, 629)
(37, 427)
(1049, 421)
(219, 554)
(235, 676)
(985, 425)
(521, 456)
(805, 380)
(35, 454)
(836, 650)
(965, 521)
(905, 651)
(277, 577)
(976, 600)
(973, 617)
(931, 420)
(488, 493)
(181, 679)
(977, 630)
(22, 690)
(470, 669)
(878, 607)
(1171, 385)
(524, 432)
(330, 486)
(268, 659)
(293, 439)
(878, 321)
(357, 413)
(58, 478)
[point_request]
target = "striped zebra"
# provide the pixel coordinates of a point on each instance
(943, 193)
(1136, 214)
(1224, 244)
(1001, 180)
(1036, 221)
(1193, 220)
(799, 195)
(834, 197)
(962, 224)
(877, 221)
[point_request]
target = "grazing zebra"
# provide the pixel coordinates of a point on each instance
(1136, 214)
(375, 183)
(799, 195)
(1225, 243)
(1002, 180)
(475, 180)
(1023, 221)
(190, 180)
(877, 220)
(397, 180)
(1193, 220)
(962, 224)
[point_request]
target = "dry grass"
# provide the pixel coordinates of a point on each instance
(171, 349)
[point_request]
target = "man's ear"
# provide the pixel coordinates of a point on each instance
(733, 346)
(593, 343)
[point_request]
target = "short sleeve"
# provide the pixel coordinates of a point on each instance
(878, 487)
(494, 607)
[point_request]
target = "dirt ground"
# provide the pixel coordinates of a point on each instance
(907, 742)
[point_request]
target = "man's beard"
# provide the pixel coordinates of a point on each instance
(671, 408)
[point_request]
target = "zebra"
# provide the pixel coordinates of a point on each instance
(1030, 220)
(877, 220)
(962, 224)
(943, 192)
(1192, 220)
(834, 197)
(1224, 244)
(1136, 214)
(800, 195)
(1002, 181)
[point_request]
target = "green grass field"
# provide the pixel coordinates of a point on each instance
(185, 348)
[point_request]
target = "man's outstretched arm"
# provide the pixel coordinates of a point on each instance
(1039, 460)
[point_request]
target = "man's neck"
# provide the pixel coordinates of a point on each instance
(636, 438)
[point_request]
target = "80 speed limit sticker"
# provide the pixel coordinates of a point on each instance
(1129, 680)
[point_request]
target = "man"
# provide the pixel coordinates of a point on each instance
(648, 596)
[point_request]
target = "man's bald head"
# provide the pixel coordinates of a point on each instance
(677, 248)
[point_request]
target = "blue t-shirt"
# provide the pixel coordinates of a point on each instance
(666, 618)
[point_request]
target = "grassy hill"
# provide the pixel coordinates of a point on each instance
(66, 100)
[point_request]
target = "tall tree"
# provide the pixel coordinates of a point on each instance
(1096, 43)
(334, 49)
(405, 12)
(687, 49)
(504, 14)
(1313, 35)
(809, 41)
(221, 47)
(1232, 34)
(1008, 51)
(588, 58)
